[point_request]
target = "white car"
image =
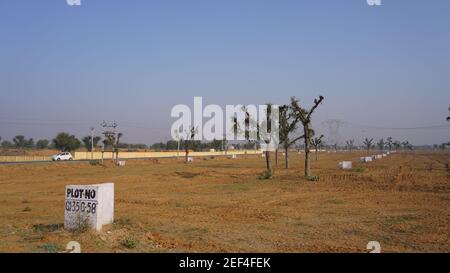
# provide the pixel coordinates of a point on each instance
(62, 156)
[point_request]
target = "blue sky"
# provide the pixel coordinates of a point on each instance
(66, 68)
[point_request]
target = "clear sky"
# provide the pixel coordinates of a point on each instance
(66, 68)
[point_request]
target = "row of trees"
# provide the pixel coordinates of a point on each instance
(389, 144)
(63, 142)
(67, 142)
(195, 145)
(295, 123)
(21, 142)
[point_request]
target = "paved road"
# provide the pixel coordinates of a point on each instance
(42, 162)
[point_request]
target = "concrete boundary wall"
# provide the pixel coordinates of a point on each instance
(126, 155)
(23, 158)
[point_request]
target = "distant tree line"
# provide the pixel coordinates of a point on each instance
(197, 145)
(67, 142)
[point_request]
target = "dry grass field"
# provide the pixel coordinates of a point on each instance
(220, 205)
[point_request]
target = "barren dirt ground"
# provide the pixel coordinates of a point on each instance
(220, 205)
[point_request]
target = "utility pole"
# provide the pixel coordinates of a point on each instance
(92, 143)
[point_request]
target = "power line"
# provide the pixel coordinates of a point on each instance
(430, 127)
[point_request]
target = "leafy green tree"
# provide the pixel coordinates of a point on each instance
(87, 142)
(172, 145)
(21, 142)
(7, 144)
(42, 144)
(160, 146)
(66, 142)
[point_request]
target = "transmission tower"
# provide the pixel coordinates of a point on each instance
(334, 125)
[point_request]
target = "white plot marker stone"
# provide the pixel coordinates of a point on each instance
(366, 159)
(345, 165)
(89, 206)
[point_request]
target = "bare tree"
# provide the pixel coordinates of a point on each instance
(368, 143)
(305, 118)
(317, 143)
(288, 125)
(350, 144)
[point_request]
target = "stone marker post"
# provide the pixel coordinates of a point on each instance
(89, 206)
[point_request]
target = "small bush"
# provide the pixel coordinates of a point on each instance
(266, 175)
(27, 209)
(359, 170)
(129, 243)
(47, 248)
(123, 222)
(94, 162)
(313, 178)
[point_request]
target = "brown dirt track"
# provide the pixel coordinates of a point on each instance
(220, 205)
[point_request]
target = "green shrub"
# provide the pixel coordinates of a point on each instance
(313, 178)
(359, 170)
(94, 162)
(129, 243)
(266, 175)
(47, 248)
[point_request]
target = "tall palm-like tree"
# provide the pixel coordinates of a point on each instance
(389, 143)
(116, 146)
(304, 116)
(381, 144)
(190, 134)
(317, 143)
(368, 143)
(288, 125)
(350, 144)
